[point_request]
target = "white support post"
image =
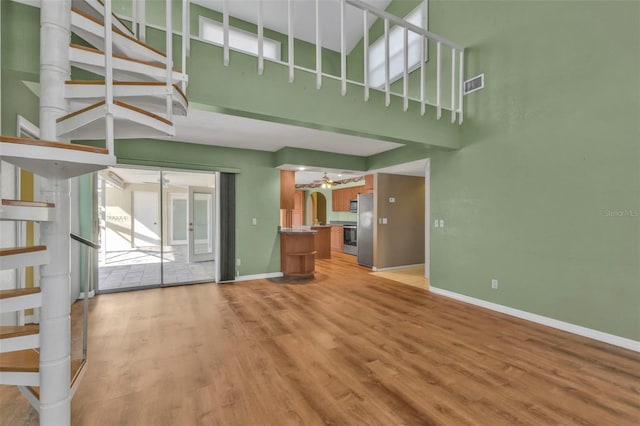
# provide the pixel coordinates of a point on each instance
(260, 37)
(108, 76)
(134, 18)
(387, 87)
(453, 85)
(461, 88)
(225, 31)
(185, 41)
(290, 39)
(343, 54)
(318, 48)
(423, 42)
(169, 64)
(405, 77)
(55, 282)
(438, 81)
(366, 55)
(142, 20)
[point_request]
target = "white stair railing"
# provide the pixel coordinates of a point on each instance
(409, 30)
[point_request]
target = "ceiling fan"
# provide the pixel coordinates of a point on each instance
(324, 182)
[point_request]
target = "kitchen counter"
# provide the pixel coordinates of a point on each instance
(296, 231)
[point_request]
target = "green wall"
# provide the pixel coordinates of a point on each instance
(545, 194)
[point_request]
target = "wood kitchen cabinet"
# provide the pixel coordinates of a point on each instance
(368, 184)
(287, 189)
(297, 214)
(337, 238)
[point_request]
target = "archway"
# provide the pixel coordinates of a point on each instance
(316, 209)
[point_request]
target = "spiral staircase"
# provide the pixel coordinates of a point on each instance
(134, 93)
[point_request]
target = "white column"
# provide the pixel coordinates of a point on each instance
(55, 324)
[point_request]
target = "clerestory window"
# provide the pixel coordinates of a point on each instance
(242, 41)
(396, 51)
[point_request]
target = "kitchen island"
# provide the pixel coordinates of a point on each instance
(297, 252)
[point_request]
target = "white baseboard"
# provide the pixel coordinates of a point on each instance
(612, 339)
(91, 294)
(255, 277)
(393, 268)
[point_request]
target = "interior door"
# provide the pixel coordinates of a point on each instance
(201, 224)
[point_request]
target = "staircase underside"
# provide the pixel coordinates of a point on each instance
(149, 96)
(129, 122)
(54, 159)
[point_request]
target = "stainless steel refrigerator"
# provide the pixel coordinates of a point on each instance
(365, 229)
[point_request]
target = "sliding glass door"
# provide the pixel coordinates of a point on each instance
(157, 228)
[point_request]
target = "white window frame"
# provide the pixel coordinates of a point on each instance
(396, 56)
(237, 32)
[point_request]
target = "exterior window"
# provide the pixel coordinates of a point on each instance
(396, 51)
(242, 41)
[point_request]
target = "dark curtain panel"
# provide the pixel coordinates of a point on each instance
(227, 226)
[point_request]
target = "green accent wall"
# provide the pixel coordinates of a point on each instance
(545, 193)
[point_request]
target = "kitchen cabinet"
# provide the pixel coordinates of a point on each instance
(287, 189)
(368, 184)
(323, 241)
(297, 214)
(337, 238)
(340, 197)
(297, 253)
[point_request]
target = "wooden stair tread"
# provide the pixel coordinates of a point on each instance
(119, 103)
(76, 367)
(126, 58)
(26, 361)
(21, 250)
(6, 294)
(51, 144)
(22, 203)
(129, 83)
(9, 331)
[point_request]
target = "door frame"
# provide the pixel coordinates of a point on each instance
(211, 234)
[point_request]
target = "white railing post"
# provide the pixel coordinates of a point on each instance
(343, 54)
(185, 41)
(290, 40)
(405, 76)
(260, 37)
(423, 42)
(318, 48)
(108, 76)
(225, 32)
(387, 87)
(438, 81)
(366, 54)
(142, 19)
(453, 85)
(169, 64)
(134, 18)
(461, 88)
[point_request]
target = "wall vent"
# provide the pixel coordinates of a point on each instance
(474, 84)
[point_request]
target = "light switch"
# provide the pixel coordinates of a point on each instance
(384, 220)
(441, 223)
(436, 223)
(254, 221)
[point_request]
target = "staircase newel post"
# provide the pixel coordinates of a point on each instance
(55, 282)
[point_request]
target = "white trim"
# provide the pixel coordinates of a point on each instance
(255, 277)
(393, 268)
(612, 339)
(92, 293)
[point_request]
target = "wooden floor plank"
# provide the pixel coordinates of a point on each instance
(346, 348)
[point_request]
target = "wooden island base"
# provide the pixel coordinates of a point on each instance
(297, 253)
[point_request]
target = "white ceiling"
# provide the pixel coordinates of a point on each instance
(209, 128)
(304, 25)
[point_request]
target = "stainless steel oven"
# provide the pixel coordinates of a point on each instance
(350, 239)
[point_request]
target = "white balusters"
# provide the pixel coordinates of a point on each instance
(423, 88)
(438, 80)
(225, 32)
(343, 53)
(169, 61)
(260, 37)
(366, 54)
(108, 76)
(290, 39)
(453, 85)
(185, 40)
(318, 48)
(405, 76)
(461, 87)
(387, 88)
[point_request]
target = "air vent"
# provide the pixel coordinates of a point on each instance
(474, 84)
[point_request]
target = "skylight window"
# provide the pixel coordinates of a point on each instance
(242, 41)
(396, 51)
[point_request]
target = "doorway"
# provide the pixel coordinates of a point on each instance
(317, 209)
(157, 228)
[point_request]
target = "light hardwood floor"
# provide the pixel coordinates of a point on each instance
(348, 348)
(411, 276)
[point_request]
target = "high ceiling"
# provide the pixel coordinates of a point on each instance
(304, 25)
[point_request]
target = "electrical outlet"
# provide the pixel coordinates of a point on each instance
(238, 263)
(384, 220)
(494, 283)
(254, 221)
(392, 200)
